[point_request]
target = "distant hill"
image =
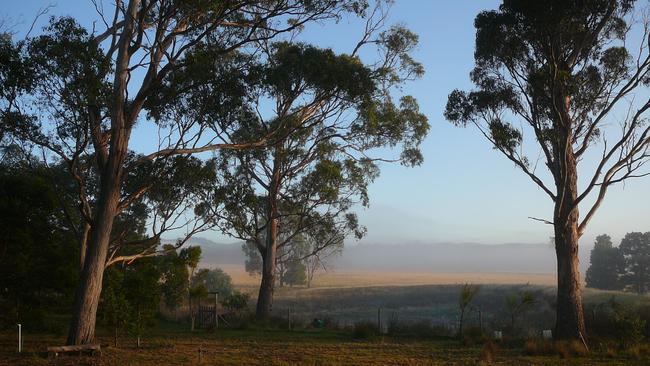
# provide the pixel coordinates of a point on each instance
(462, 257)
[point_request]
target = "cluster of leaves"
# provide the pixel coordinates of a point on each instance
(212, 280)
(236, 302)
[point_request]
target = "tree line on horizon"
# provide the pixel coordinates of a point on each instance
(623, 267)
(275, 142)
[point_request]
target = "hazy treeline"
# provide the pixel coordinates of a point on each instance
(625, 267)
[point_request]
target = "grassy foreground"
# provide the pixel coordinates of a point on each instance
(275, 347)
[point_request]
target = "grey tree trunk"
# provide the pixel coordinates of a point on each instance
(82, 326)
(570, 323)
(265, 296)
(110, 167)
(269, 255)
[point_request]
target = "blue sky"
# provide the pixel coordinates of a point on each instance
(465, 191)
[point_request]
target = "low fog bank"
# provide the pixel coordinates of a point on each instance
(515, 258)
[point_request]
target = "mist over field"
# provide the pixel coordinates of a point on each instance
(441, 257)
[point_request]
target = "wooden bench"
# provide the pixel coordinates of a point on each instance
(88, 348)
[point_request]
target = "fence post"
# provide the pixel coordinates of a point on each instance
(216, 314)
(379, 319)
(289, 316)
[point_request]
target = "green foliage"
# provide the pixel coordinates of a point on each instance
(293, 66)
(618, 323)
(236, 302)
(331, 109)
(190, 256)
(467, 293)
(627, 326)
(606, 265)
(635, 248)
(198, 292)
(547, 66)
(131, 296)
(115, 310)
(364, 330)
(253, 262)
(213, 280)
(40, 255)
(16, 78)
(296, 273)
(175, 274)
(518, 304)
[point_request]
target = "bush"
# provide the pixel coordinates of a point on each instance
(330, 323)
(489, 352)
(474, 335)
(236, 302)
(419, 329)
(628, 327)
(616, 323)
(564, 349)
(364, 330)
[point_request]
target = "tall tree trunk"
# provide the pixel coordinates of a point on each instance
(82, 326)
(265, 296)
(570, 323)
(269, 256)
(110, 168)
(83, 245)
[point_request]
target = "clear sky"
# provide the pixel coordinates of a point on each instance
(465, 191)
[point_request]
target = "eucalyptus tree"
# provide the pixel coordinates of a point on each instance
(92, 87)
(327, 116)
(560, 75)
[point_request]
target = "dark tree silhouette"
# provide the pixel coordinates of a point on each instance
(635, 247)
(607, 265)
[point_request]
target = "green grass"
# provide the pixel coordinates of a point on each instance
(172, 345)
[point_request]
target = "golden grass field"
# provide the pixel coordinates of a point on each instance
(340, 278)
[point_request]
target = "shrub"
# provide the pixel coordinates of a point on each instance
(628, 327)
(474, 335)
(564, 349)
(364, 330)
(617, 323)
(419, 329)
(236, 302)
(489, 352)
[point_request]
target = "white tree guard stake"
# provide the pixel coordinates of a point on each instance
(20, 338)
(498, 335)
